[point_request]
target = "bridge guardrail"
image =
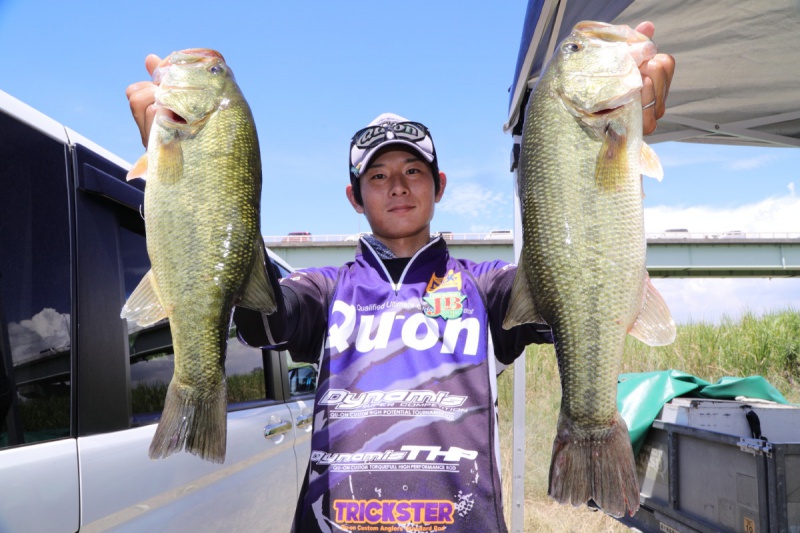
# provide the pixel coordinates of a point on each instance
(508, 237)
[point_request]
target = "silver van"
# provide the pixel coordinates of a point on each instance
(80, 392)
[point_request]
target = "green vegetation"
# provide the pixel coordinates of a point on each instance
(149, 397)
(768, 346)
(247, 387)
(45, 418)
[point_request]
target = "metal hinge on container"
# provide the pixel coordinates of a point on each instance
(755, 446)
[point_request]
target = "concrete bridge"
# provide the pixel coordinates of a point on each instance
(678, 254)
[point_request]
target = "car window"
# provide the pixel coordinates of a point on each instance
(151, 372)
(35, 298)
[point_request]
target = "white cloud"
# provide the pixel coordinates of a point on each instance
(710, 299)
(751, 163)
(473, 200)
(46, 330)
(727, 157)
(771, 215)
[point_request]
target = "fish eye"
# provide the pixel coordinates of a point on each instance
(572, 47)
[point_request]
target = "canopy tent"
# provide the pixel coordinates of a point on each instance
(738, 63)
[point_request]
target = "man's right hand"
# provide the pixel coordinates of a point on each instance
(141, 97)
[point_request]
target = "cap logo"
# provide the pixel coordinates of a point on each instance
(375, 135)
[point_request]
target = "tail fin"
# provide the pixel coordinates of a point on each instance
(192, 422)
(600, 467)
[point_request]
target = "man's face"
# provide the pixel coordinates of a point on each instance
(399, 195)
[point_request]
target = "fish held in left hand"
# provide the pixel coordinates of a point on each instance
(202, 220)
(582, 265)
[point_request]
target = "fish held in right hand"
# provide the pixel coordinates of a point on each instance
(582, 265)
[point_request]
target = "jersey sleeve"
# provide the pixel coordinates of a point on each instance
(300, 322)
(495, 280)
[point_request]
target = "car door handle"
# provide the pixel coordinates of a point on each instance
(303, 421)
(273, 430)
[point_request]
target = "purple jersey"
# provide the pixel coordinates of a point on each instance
(405, 428)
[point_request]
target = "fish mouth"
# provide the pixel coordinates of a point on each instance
(602, 109)
(169, 115)
(606, 111)
(166, 114)
(623, 95)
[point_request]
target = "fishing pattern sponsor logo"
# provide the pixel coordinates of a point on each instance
(375, 325)
(346, 404)
(443, 296)
(408, 458)
(406, 512)
(448, 305)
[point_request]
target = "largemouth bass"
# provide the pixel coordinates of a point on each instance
(582, 264)
(202, 219)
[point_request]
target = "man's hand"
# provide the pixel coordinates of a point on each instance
(656, 78)
(141, 97)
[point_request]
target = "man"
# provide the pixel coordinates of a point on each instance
(404, 422)
(408, 341)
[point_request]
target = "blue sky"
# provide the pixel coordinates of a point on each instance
(316, 71)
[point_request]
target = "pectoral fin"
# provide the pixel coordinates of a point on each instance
(139, 169)
(143, 306)
(612, 160)
(654, 326)
(170, 161)
(651, 164)
(521, 308)
(258, 293)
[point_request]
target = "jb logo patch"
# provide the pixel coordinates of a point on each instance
(448, 305)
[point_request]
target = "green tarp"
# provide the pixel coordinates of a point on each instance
(640, 396)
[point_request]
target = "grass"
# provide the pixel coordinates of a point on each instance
(768, 346)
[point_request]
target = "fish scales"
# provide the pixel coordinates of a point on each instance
(585, 260)
(187, 242)
(202, 212)
(590, 254)
(582, 264)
